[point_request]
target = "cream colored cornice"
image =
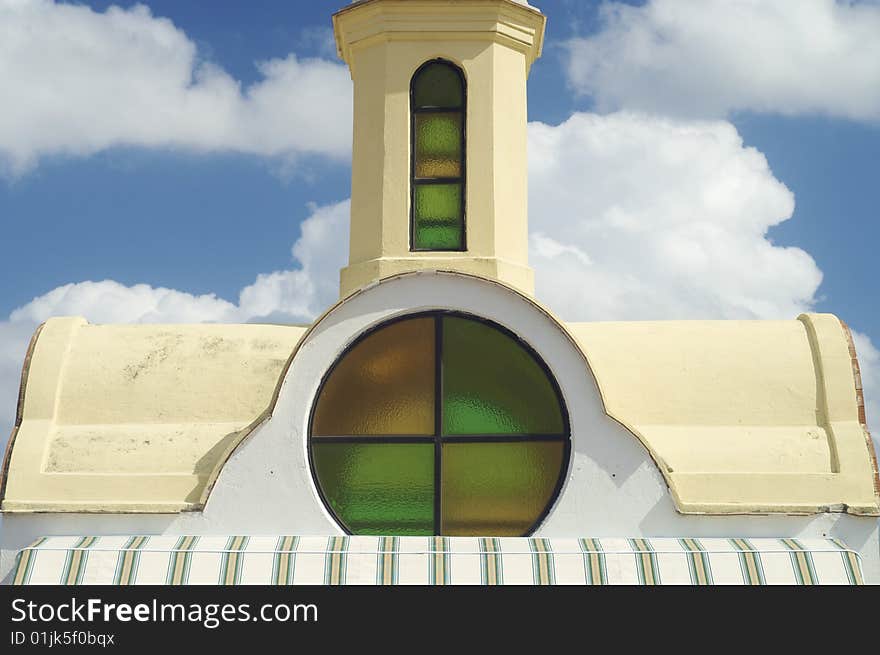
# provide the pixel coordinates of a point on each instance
(504, 21)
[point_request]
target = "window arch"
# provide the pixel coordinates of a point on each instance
(439, 423)
(438, 108)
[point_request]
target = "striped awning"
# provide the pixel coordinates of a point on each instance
(211, 560)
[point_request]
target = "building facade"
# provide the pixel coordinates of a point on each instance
(438, 423)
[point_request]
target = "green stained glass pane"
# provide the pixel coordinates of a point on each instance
(438, 220)
(438, 202)
(493, 385)
(381, 489)
(438, 145)
(438, 85)
(498, 489)
(438, 236)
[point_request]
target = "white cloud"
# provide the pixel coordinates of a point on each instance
(660, 219)
(80, 82)
(303, 294)
(712, 57)
(112, 302)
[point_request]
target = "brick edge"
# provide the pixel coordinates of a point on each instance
(860, 401)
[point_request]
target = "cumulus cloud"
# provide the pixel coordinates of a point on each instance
(304, 293)
(82, 81)
(712, 57)
(636, 217)
(111, 302)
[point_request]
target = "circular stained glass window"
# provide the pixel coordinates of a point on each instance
(439, 424)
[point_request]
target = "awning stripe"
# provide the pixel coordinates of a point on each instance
(439, 561)
(284, 562)
(75, 562)
(594, 561)
(25, 563)
(126, 566)
(341, 560)
(492, 569)
(750, 563)
(179, 563)
(231, 567)
(646, 562)
(336, 561)
(387, 561)
(851, 562)
(802, 562)
(543, 569)
(698, 562)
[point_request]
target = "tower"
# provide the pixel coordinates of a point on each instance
(439, 171)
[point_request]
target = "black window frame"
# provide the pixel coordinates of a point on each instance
(416, 181)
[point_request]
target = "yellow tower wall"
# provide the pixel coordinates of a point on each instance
(494, 42)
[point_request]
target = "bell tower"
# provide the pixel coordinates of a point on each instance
(439, 172)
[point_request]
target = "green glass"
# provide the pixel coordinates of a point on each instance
(498, 489)
(381, 489)
(493, 385)
(438, 145)
(431, 236)
(438, 220)
(438, 85)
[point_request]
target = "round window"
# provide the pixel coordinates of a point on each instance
(439, 424)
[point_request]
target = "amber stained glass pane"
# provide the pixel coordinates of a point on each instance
(383, 386)
(378, 489)
(438, 224)
(438, 85)
(438, 145)
(493, 385)
(497, 489)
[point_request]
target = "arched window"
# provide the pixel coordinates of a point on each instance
(438, 108)
(439, 423)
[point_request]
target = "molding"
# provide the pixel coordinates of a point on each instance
(503, 21)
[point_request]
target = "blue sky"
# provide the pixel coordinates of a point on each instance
(207, 212)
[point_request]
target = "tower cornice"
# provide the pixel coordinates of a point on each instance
(507, 22)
